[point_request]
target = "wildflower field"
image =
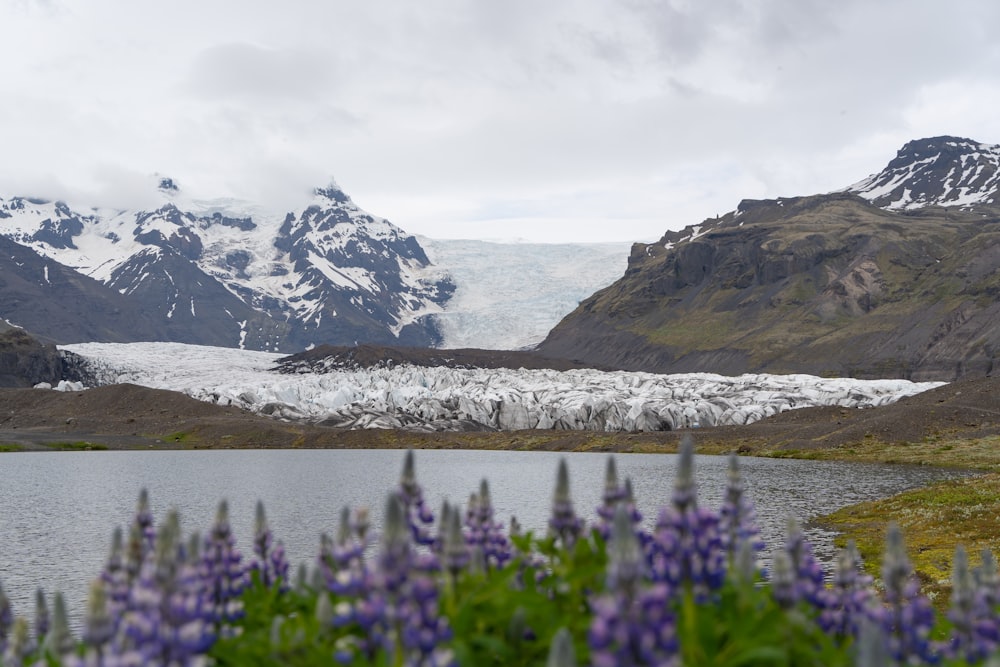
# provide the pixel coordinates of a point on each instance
(460, 588)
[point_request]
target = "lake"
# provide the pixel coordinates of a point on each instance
(59, 508)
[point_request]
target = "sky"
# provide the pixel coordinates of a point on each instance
(562, 120)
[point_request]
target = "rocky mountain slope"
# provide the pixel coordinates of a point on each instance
(216, 273)
(896, 276)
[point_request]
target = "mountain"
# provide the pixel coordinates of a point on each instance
(218, 272)
(895, 276)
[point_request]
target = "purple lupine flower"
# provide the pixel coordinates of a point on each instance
(115, 575)
(419, 517)
(987, 579)
(805, 569)
(6, 620)
(413, 625)
(564, 524)
(632, 625)
(850, 602)
(485, 533)
(341, 563)
(141, 538)
(613, 495)
(975, 633)
(909, 616)
(783, 580)
(168, 620)
(269, 562)
(686, 550)
(737, 516)
(222, 570)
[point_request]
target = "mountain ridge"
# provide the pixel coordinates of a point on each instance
(222, 272)
(831, 284)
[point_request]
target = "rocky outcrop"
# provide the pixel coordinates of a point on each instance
(25, 362)
(829, 285)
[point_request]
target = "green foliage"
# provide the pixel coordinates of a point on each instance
(510, 616)
(79, 446)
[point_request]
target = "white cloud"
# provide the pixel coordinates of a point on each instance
(593, 120)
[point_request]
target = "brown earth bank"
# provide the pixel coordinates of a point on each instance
(134, 417)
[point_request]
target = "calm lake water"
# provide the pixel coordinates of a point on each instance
(57, 510)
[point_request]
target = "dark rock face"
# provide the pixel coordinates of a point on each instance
(827, 285)
(25, 362)
(57, 304)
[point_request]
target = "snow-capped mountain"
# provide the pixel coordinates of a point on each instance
(228, 273)
(895, 276)
(942, 171)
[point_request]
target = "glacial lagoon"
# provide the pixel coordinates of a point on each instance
(59, 509)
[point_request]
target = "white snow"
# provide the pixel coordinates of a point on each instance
(505, 399)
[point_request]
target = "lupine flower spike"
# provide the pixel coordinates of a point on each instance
(269, 562)
(411, 621)
(805, 569)
(686, 550)
(98, 625)
(850, 601)
(6, 620)
(987, 579)
(418, 516)
(975, 633)
(613, 494)
(224, 574)
(910, 616)
(115, 575)
(564, 523)
(485, 533)
(632, 625)
(737, 517)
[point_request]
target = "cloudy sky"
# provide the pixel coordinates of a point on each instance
(577, 120)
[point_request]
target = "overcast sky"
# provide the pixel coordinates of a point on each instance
(579, 120)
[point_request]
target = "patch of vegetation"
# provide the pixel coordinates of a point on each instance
(10, 448)
(79, 446)
(934, 519)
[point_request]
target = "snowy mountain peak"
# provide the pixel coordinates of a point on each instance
(223, 272)
(332, 193)
(167, 184)
(938, 171)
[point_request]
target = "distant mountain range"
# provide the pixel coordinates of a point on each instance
(895, 276)
(219, 273)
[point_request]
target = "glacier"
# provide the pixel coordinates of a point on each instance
(440, 398)
(509, 295)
